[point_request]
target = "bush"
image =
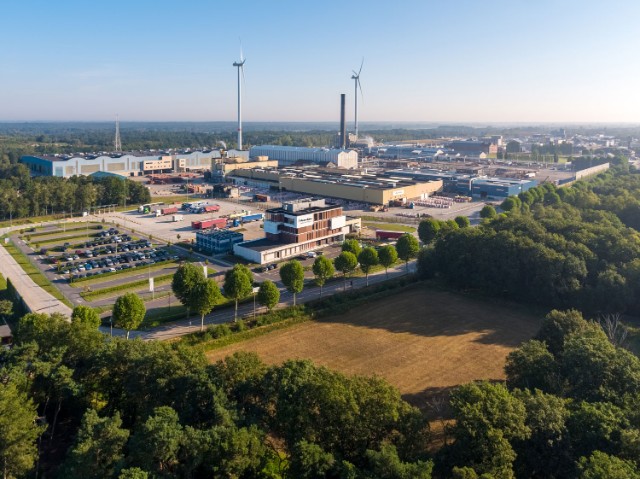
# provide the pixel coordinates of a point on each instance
(220, 331)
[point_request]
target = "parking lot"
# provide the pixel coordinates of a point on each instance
(107, 259)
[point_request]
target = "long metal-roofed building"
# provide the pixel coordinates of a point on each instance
(468, 184)
(290, 155)
(359, 187)
(124, 164)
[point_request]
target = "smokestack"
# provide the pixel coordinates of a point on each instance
(343, 126)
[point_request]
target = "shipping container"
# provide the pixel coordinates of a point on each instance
(254, 217)
(178, 217)
(205, 224)
(211, 208)
(260, 197)
(169, 211)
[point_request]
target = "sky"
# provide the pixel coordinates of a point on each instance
(424, 60)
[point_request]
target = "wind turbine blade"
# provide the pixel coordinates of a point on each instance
(360, 86)
(241, 54)
(361, 64)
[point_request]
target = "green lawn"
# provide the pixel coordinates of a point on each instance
(389, 226)
(125, 273)
(121, 288)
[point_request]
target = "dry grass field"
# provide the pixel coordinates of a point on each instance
(423, 342)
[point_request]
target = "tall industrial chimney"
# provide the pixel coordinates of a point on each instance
(343, 126)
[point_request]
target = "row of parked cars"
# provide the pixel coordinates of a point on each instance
(113, 263)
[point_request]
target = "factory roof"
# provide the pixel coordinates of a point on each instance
(119, 154)
(299, 148)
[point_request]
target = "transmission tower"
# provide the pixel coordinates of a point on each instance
(117, 142)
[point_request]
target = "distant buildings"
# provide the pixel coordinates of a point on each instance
(123, 164)
(292, 155)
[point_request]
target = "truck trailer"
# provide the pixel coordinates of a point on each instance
(206, 224)
(178, 217)
(253, 217)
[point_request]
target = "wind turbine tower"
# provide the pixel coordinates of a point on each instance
(240, 66)
(356, 78)
(117, 143)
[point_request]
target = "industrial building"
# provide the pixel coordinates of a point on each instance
(296, 227)
(216, 241)
(223, 167)
(480, 187)
(358, 187)
(123, 164)
(291, 155)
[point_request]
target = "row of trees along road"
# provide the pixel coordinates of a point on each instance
(201, 295)
(117, 409)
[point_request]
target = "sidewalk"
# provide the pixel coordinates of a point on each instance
(36, 299)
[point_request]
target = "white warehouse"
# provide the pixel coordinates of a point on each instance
(289, 155)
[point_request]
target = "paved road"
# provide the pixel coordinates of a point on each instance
(38, 300)
(191, 325)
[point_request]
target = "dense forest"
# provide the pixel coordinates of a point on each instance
(558, 247)
(77, 404)
(22, 196)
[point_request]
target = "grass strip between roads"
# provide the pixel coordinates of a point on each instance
(64, 239)
(107, 292)
(123, 273)
(35, 274)
(389, 226)
(92, 226)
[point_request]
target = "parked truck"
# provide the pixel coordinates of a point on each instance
(253, 217)
(239, 214)
(387, 235)
(206, 224)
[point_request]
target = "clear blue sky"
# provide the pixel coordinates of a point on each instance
(425, 60)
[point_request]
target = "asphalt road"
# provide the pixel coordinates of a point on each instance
(193, 324)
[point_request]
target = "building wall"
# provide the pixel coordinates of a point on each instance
(288, 155)
(280, 252)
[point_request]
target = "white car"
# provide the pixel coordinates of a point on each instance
(311, 254)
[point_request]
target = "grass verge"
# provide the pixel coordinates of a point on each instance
(35, 274)
(123, 273)
(389, 226)
(107, 292)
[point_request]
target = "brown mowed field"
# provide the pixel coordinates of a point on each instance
(423, 342)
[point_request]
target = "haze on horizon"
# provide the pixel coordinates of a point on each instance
(497, 61)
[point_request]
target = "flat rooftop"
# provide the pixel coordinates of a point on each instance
(262, 244)
(306, 211)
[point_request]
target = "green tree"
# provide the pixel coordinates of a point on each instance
(368, 258)
(388, 257)
(128, 312)
(557, 326)
(346, 262)
(428, 230)
(133, 473)
(18, 431)
(98, 451)
(86, 316)
(204, 297)
(237, 285)
(408, 248)
(462, 221)
(185, 279)
(532, 366)
(268, 294)
(512, 203)
(6, 308)
(488, 212)
(600, 465)
(385, 464)
(352, 246)
(292, 276)
(155, 446)
(323, 270)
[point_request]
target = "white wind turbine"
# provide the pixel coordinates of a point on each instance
(240, 66)
(356, 78)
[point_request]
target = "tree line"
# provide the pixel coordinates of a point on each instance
(22, 196)
(76, 403)
(558, 247)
